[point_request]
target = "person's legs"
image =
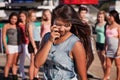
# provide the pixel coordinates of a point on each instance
(117, 62)
(14, 66)
(108, 68)
(8, 64)
(36, 70)
(31, 69)
(22, 60)
(26, 51)
(101, 55)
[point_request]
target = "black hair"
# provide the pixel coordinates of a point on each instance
(11, 15)
(115, 14)
(82, 8)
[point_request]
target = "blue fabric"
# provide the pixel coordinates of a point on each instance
(59, 65)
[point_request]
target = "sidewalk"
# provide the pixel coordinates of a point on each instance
(95, 69)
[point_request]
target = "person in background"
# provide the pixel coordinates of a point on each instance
(25, 41)
(34, 37)
(100, 28)
(46, 22)
(13, 47)
(63, 50)
(82, 12)
(112, 44)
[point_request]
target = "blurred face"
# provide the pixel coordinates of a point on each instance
(101, 17)
(13, 20)
(33, 17)
(63, 26)
(22, 17)
(47, 15)
(83, 14)
(111, 18)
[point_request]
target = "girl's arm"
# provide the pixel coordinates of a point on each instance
(79, 55)
(118, 52)
(43, 52)
(4, 30)
(42, 29)
(30, 32)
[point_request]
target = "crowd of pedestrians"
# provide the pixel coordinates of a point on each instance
(62, 44)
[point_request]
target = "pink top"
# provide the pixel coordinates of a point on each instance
(45, 28)
(111, 32)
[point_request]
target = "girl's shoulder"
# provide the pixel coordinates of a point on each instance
(7, 25)
(46, 36)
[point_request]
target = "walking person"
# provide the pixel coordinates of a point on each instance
(46, 22)
(112, 44)
(63, 50)
(13, 47)
(100, 28)
(25, 41)
(34, 37)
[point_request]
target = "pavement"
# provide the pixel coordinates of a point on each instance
(95, 69)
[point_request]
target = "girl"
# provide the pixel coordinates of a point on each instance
(25, 41)
(112, 44)
(100, 27)
(46, 22)
(13, 47)
(64, 49)
(34, 37)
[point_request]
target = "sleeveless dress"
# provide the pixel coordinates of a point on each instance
(112, 42)
(59, 65)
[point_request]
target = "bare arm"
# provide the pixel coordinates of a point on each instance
(118, 52)
(79, 56)
(30, 31)
(42, 31)
(43, 52)
(4, 30)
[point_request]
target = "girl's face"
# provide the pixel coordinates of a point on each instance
(83, 14)
(101, 18)
(47, 14)
(63, 26)
(111, 18)
(33, 17)
(22, 17)
(13, 20)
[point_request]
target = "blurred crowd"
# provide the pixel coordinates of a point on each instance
(63, 43)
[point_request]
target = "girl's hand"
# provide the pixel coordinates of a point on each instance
(118, 52)
(54, 33)
(35, 50)
(7, 51)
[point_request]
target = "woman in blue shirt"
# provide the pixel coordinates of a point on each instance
(63, 50)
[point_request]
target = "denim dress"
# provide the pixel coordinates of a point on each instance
(59, 65)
